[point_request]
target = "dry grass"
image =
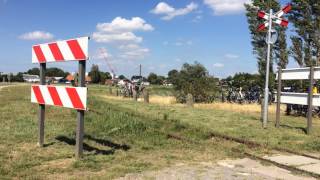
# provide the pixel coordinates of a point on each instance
(154, 99)
(240, 108)
(171, 100)
(165, 100)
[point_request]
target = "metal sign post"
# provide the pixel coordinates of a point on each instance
(271, 18)
(42, 107)
(80, 113)
(310, 100)
(278, 98)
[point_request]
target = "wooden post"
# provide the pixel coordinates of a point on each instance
(278, 98)
(117, 92)
(80, 113)
(262, 109)
(189, 100)
(42, 107)
(135, 95)
(110, 90)
(310, 100)
(146, 95)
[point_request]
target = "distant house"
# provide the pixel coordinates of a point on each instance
(31, 78)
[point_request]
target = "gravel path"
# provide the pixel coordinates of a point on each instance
(226, 169)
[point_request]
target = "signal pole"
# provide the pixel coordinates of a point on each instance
(266, 89)
(270, 18)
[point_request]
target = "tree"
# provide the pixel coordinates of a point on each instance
(279, 51)
(194, 79)
(243, 80)
(305, 16)
(95, 74)
(172, 76)
(153, 78)
(34, 71)
(51, 72)
(55, 72)
(122, 77)
(18, 77)
(104, 76)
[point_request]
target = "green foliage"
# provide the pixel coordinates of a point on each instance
(34, 71)
(244, 80)
(279, 51)
(122, 77)
(51, 72)
(194, 79)
(155, 79)
(104, 76)
(18, 77)
(95, 74)
(305, 16)
(172, 75)
(55, 72)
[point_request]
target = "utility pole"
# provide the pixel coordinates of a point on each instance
(140, 69)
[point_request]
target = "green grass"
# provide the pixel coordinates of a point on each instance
(160, 90)
(123, 136)
(290, 135)
(117, 140)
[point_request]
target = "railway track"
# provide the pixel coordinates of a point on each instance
(252, 144)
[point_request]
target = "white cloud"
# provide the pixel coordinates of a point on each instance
(133, 51)
(226, 7)
(120, 37)
(36, 35)
(170, 12)
(121, 30)
(120, 24)
(231, 56)
(218, 65)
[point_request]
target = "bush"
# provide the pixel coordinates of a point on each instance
(194, 79)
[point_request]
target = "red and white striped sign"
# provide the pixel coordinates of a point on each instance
(276, 18)
(60, 51)
(284, 10)
(70, 97)
(263, 15)
(281, 22)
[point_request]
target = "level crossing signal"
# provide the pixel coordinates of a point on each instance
(276, 18)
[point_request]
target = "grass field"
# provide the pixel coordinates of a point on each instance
(235, 120)
(116, 141)
(123, 136)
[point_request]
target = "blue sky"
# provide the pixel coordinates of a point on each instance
(160, 35)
